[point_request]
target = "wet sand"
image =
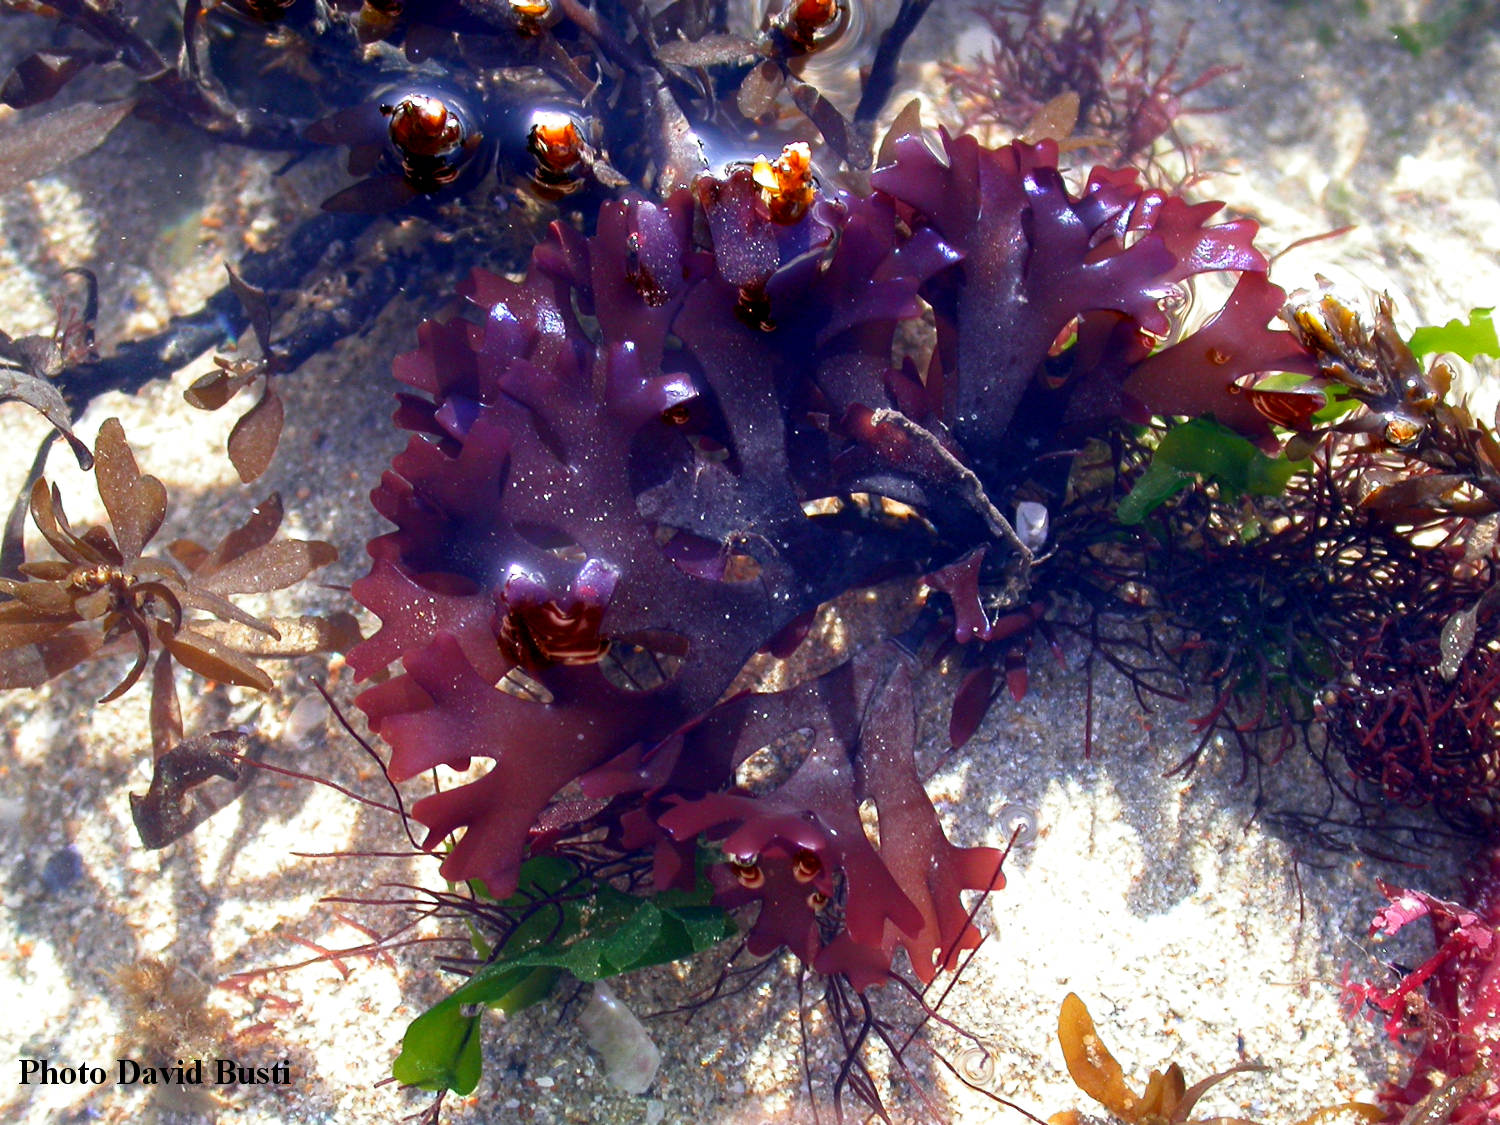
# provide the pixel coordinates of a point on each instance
(1163, 902)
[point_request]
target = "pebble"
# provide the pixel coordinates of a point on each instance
(11, 811)
(630, 1058)
(63, 868)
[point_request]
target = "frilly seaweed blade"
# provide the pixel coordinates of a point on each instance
(1444, 1011)
(656, 456)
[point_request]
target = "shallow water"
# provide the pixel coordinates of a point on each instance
(1148, 896)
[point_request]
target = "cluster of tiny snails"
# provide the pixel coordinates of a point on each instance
(424, 137)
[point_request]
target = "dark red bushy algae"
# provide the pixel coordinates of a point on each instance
(646, 454)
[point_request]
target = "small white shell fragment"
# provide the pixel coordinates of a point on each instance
(1031, 524)
(1456, 640)
(630, 1058)
(1019, 823)
(306, 718)
(977, 1064)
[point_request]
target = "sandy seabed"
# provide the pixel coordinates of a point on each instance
(1163, 902)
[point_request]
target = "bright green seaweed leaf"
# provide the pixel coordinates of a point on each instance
(1475, 338)
(440, 1050)
(624, 932)
(567, 922)
(1203, 447)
